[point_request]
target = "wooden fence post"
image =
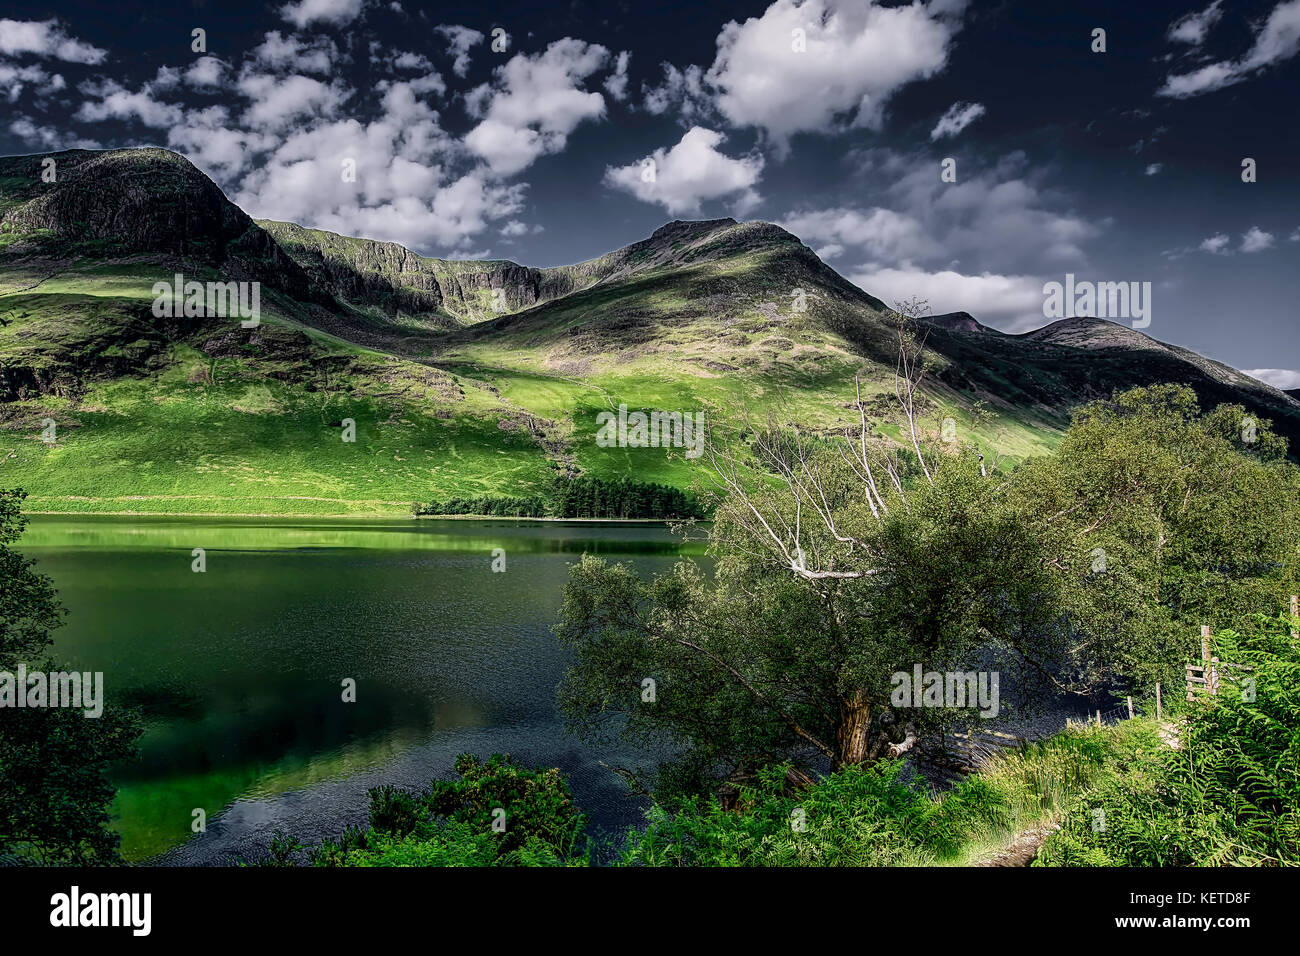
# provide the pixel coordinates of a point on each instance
(1130, 708)
(1210, 673)
(1295, 612)
(1158, 714)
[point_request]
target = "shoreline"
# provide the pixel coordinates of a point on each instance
(408, 517)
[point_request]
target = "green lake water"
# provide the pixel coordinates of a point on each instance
(238, 670)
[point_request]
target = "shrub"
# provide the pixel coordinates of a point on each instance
(452, 823)
(1230, 795)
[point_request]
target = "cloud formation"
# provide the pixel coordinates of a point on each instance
(1277, 38)
(692, 172)
(46, 38)
(956, 119)
(1012, 302)
(1256, 240)
(815, 66)
(292, 138)
(1277, 377)
(460, 40)
(338, 12)
(984, 244)
(1193, 28)
(534, 103)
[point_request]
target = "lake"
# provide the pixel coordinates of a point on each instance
(238, 670)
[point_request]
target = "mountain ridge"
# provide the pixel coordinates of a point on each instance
(465, 377)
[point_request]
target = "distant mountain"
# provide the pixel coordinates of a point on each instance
(462, 377)
(959, 322)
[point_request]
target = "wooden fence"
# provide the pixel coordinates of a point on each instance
(1204, 679)
(965, 752)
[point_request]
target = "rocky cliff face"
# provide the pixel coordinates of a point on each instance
(392, 278)
(135, 201)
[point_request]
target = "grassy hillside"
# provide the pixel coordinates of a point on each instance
(463, 378)
(234, 421)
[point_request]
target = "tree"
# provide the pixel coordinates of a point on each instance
(1191, 518)
(54, 792)
(844, 560)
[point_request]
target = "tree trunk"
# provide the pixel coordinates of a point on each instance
(854, 733)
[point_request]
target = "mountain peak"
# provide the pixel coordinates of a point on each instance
(121, 202)
(690, 228)
(959, 322)
(144, 199)
(1084, 331)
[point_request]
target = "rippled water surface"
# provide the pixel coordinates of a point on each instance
(238, 670)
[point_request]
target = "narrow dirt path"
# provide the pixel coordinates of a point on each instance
(1022, 850)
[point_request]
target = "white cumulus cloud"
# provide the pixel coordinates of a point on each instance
(328, 11)
(1217, 244)
(1256, 240)
(208, 72)
(690, 173)
(111, 100)
(295, 54)
(279, 100)
(1011, 302)
(880, 233)
(821, 65)
(46, 38)
(460, 40)
(534, 103)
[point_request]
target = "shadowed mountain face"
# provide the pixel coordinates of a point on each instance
(131, 202)
(465, 377)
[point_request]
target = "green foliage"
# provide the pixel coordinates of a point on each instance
(873, 816)
(54, 792)
(588, 497)
(1230, 795)
(454, 823)
(456, 844)
(490, 505)
(1197, 525)
(762, 663)
(582, 497)
(1238, 806)
(758, 663)
(861, 816)
(29, 608)
(537, 803)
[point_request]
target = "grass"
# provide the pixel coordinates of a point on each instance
(149, 421)
(871, 816)
(257, 448)
(1043, 782)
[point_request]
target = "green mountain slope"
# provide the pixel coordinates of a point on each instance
(463, 378)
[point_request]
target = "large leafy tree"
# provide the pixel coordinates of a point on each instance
(845, 559)
(1170, 518)
(54, 790)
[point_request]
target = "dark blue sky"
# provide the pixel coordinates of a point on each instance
(1115, 166)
